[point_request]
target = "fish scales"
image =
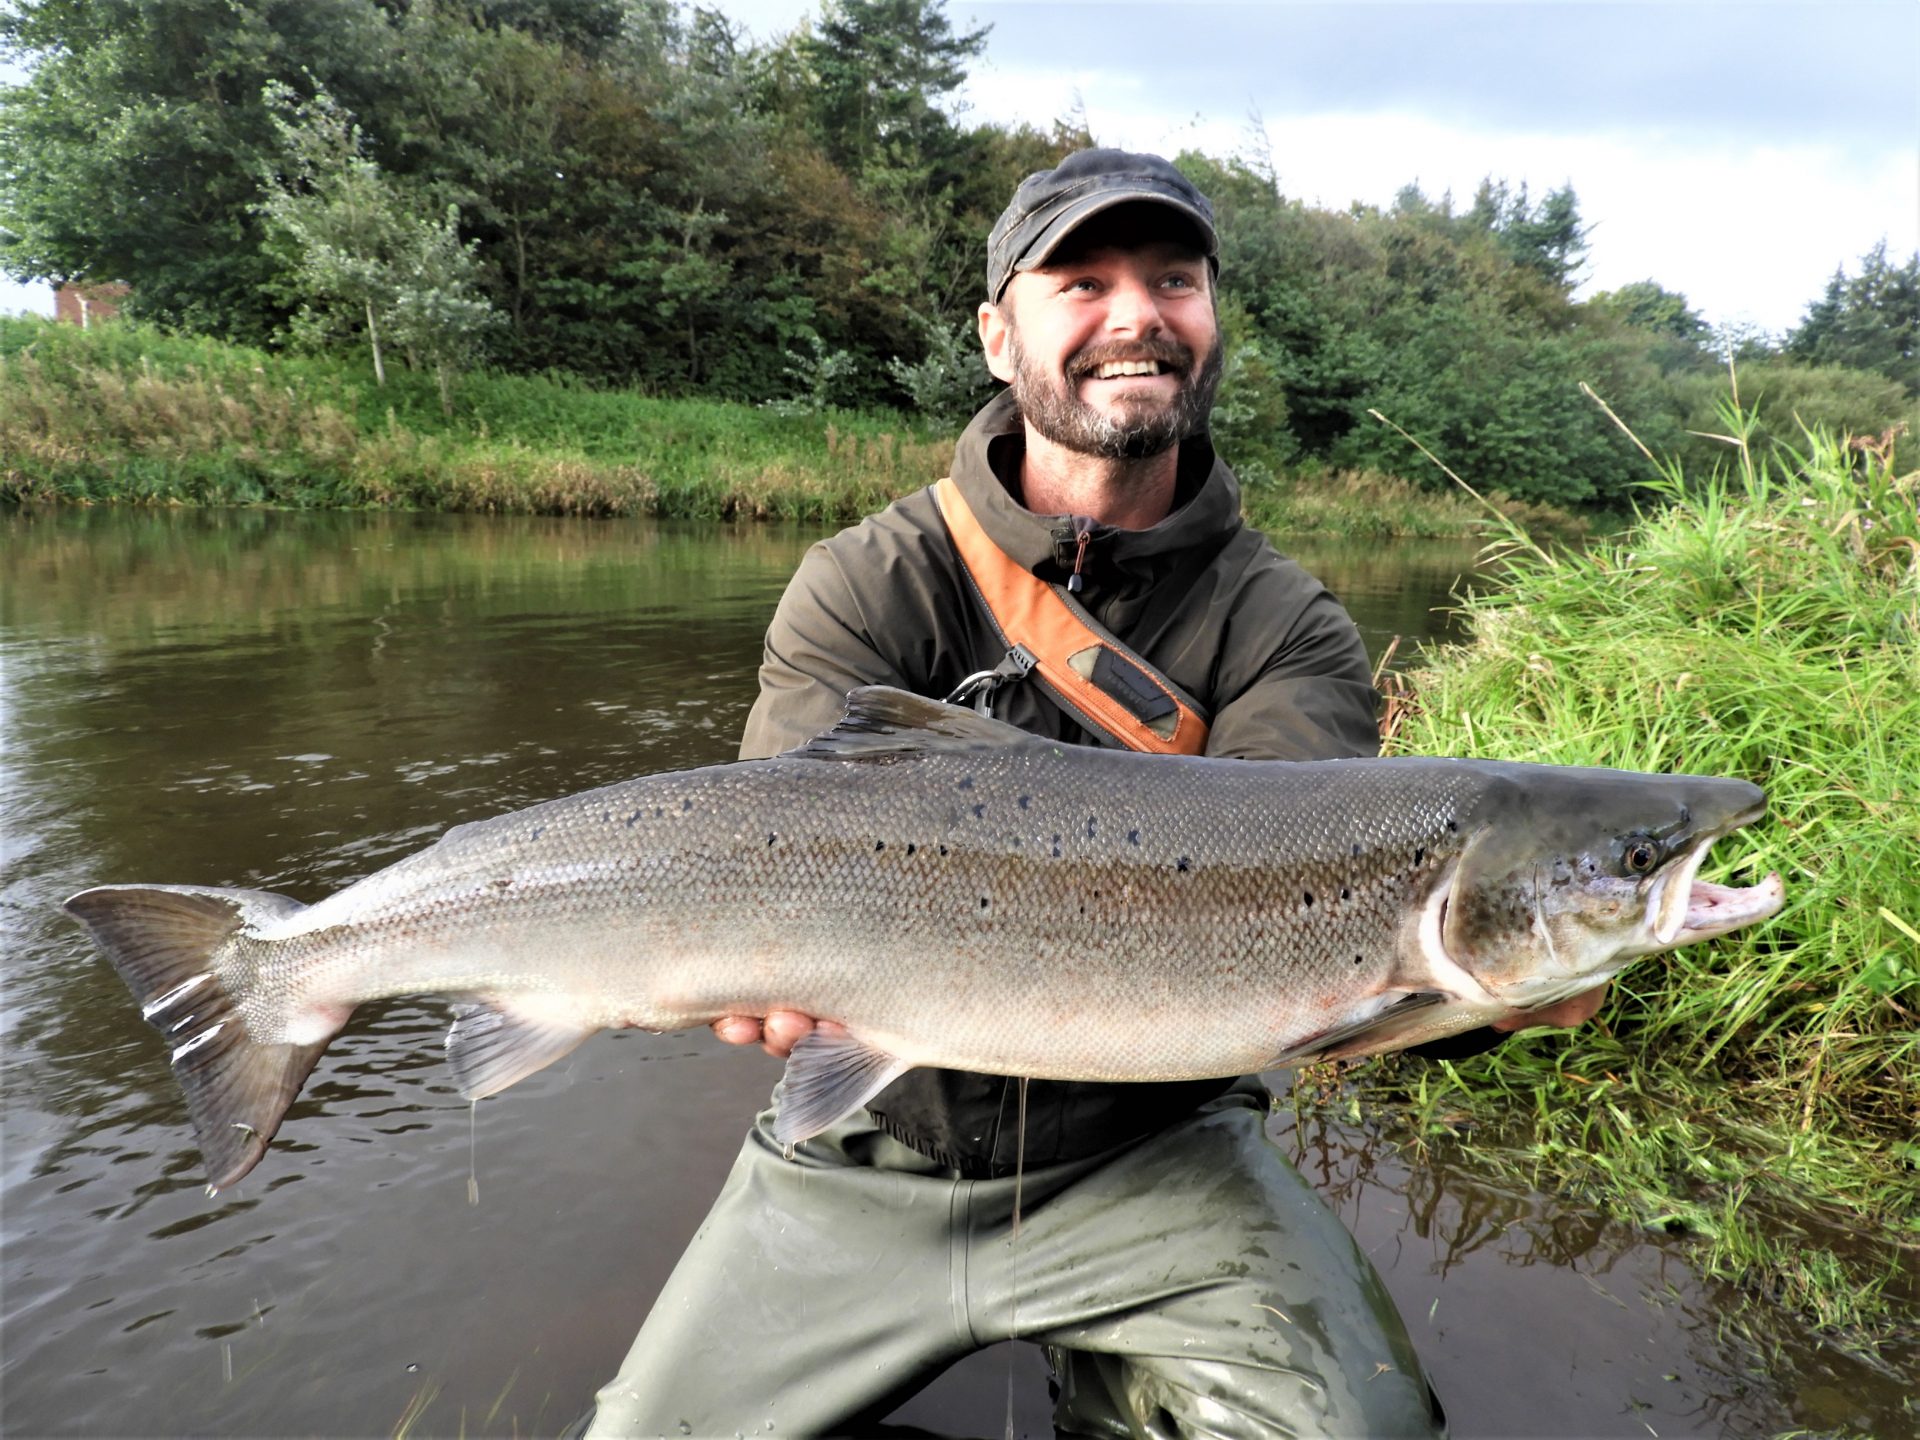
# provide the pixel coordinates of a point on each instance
(633, 895)
(945, 890)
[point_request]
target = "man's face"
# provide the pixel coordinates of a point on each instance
(1114, 351)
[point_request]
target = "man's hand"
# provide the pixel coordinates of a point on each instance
(777, 1034)
(1577, 1011)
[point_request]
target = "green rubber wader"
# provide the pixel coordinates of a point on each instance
(1187, 1284)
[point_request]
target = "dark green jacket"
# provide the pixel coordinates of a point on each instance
(1275, 662)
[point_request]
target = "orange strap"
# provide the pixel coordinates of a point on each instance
(1099, 678)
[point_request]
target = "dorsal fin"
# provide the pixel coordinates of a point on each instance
(883, 723)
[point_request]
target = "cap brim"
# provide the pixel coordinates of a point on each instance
(1080, 211)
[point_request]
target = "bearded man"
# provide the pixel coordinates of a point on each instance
(1184, 1278)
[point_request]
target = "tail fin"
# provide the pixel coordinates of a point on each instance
(167, 942)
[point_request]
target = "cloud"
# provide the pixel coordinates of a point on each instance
(1762, 72)
(1747, 220)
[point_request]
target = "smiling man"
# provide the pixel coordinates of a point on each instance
(1085, 573)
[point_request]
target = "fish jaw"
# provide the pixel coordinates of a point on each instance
(1721, 909)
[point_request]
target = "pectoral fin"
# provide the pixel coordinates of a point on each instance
(491, 1047)
(830, 1075)
(1402, 1020)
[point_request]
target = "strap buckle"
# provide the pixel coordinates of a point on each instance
(978, 688)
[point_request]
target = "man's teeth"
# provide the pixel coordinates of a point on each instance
(1115, 368)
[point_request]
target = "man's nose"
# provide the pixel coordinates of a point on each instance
(1133, 309)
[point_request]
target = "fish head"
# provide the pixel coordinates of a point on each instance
(1568, 875)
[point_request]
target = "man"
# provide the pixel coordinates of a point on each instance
(1184, 1278)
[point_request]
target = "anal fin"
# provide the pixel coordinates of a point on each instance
(491, 1047)
(830, 1075)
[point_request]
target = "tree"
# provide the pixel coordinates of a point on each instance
(882, 69)
(359, 251)
(1680, 338)
(131, 152)
(1648, 306)
(1547, 238)
(1870, 321)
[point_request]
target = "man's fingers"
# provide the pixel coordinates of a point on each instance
(784, 1030)
(1576, 1011)
(778, 1033)
(738, 1029)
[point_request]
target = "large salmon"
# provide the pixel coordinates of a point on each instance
(951, 891)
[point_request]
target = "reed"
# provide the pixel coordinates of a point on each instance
(1762, 1090)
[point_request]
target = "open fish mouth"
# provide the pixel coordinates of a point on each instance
(1717, 909)
(1683, 908)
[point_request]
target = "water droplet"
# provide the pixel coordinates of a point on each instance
(685, 1428)
(414, 1368)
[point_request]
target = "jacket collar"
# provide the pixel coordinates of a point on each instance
(1208, 507)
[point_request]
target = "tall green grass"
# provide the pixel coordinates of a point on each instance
(127, 414)
(1763, 1089)
(121, 413)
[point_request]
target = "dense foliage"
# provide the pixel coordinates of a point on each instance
(631, 192)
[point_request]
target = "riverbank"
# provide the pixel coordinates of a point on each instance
(122, 414)
(1761, 1091)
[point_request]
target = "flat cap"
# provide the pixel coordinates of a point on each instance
(1051, 204)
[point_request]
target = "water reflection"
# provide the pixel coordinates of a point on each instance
(292, 701)
(1538, 1316)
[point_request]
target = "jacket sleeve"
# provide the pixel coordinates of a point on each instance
(818, 647)
(1312, 695)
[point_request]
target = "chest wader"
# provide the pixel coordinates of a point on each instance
(1185, 1285)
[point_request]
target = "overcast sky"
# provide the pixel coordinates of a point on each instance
(1736, 152)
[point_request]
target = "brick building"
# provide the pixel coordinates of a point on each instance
(83, 305)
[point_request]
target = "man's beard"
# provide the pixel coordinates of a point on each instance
(1143, 427)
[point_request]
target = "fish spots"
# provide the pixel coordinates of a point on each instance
(1356, 851)
(633, 817)
(1183, 864)
(1359, 959)
(1090, 827)
(504, 883)
(1308, 895)
(1419, 856)
(966, 782)
(1453, 827)
(1026, 801)
(878, 846)
(771, 837)
(943, 849)
(911, 847)
(985, 903)
(538, 831)
(1133, 837)
(1345, 893)
(685, 806)
(980, 810)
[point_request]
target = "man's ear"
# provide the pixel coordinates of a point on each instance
(995, 331)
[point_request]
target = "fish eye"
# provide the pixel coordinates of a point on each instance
(1640, 854)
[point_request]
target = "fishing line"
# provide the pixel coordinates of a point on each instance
(1013, 1269)
(473, 1152)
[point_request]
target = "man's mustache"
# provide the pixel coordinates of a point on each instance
(1172, 354)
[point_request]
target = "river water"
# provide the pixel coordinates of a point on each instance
(288, 702)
